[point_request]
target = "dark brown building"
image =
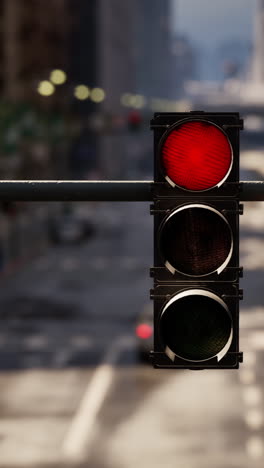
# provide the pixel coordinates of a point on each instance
(34, 37)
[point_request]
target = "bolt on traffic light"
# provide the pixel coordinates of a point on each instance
(196, 240)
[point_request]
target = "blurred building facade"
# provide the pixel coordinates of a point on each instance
(184, 64)
(33, 41)
(153, 48)
(121, 47)
(233, 57)
(83, 57)
(258, 46)
(117, 75)
(32, 44)
(103, 56)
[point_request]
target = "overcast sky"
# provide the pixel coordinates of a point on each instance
(209, 22)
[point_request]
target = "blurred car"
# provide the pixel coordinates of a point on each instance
(144, 332)
(70, 226)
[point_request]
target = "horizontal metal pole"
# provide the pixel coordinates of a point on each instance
(75, 190)
(252, 191)
(98, 190)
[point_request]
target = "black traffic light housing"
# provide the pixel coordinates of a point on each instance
(196, 242)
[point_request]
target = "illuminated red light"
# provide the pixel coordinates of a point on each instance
(196, 156)
(144, 331)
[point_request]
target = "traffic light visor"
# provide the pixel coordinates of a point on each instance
(196, 326)
(195, 240)
(196, 155)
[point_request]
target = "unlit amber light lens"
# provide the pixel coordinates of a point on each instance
(195, 241)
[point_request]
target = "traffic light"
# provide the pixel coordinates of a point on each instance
(196, 240)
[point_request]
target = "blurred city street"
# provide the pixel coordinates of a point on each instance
(80, 82)
(73, 389)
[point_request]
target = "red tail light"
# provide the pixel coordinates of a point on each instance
(144, 331)
(196, 156)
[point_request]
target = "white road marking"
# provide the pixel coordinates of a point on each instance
(33, 423)
(256, 340)
(176, 420)
(250, 359)
(252, 160)
(252, 253)
(254, 447)
(252, 317)
(252, 395)
(253, 220)
(254, 419)
(82, 427)
(247, 376)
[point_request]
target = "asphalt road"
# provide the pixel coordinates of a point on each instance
(73, 392)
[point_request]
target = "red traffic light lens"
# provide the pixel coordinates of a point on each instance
(195, 240)
(196, 156)
(196, 325)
